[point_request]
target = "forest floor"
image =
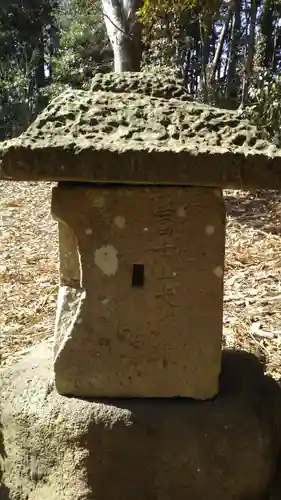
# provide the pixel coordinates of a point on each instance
(29, 272)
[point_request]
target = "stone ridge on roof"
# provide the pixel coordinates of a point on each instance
(92, 135)
(157, 83)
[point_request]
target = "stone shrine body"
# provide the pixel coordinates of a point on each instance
(140, 309)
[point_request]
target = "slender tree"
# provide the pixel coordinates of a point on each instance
(219, 47)
(124, 31)
(232, 80)
(251, 52)
(266, 45)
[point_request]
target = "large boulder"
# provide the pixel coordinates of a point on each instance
(60, 448)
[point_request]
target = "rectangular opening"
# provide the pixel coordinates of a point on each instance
(138, 275)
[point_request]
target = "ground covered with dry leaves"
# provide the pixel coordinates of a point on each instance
(29, 272)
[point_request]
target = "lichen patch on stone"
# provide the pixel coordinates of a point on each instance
(120, 221)
(218, 271)
(106, 259)
(210, 230)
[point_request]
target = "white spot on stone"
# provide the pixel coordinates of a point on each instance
(89, 231)
(209, 230)
(145, 229)
(218, 193)
(99, 202)
(218, 271)
(79, 321)
(181, 211)
(105, 301)
(106, 260)
(120, 221)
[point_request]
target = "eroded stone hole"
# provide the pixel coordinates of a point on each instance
(138, 275)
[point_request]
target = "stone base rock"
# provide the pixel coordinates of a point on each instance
(60, 448)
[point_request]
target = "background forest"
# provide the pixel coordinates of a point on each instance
(228, 53)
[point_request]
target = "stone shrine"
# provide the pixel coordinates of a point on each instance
(141, 222)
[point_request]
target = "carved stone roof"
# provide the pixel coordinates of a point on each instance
(128, 136)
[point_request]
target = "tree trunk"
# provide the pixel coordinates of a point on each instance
(40, 78)
(266, 48)
(251, 52)
(274, 58)
(205, 30)
(219, 48)
(124, 32)
(232, 83)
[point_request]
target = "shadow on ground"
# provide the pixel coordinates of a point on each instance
(275, 488)
(246, 396)
(4, 491)
(258, 209)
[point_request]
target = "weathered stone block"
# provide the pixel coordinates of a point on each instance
(59, 448)
(140, 303)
